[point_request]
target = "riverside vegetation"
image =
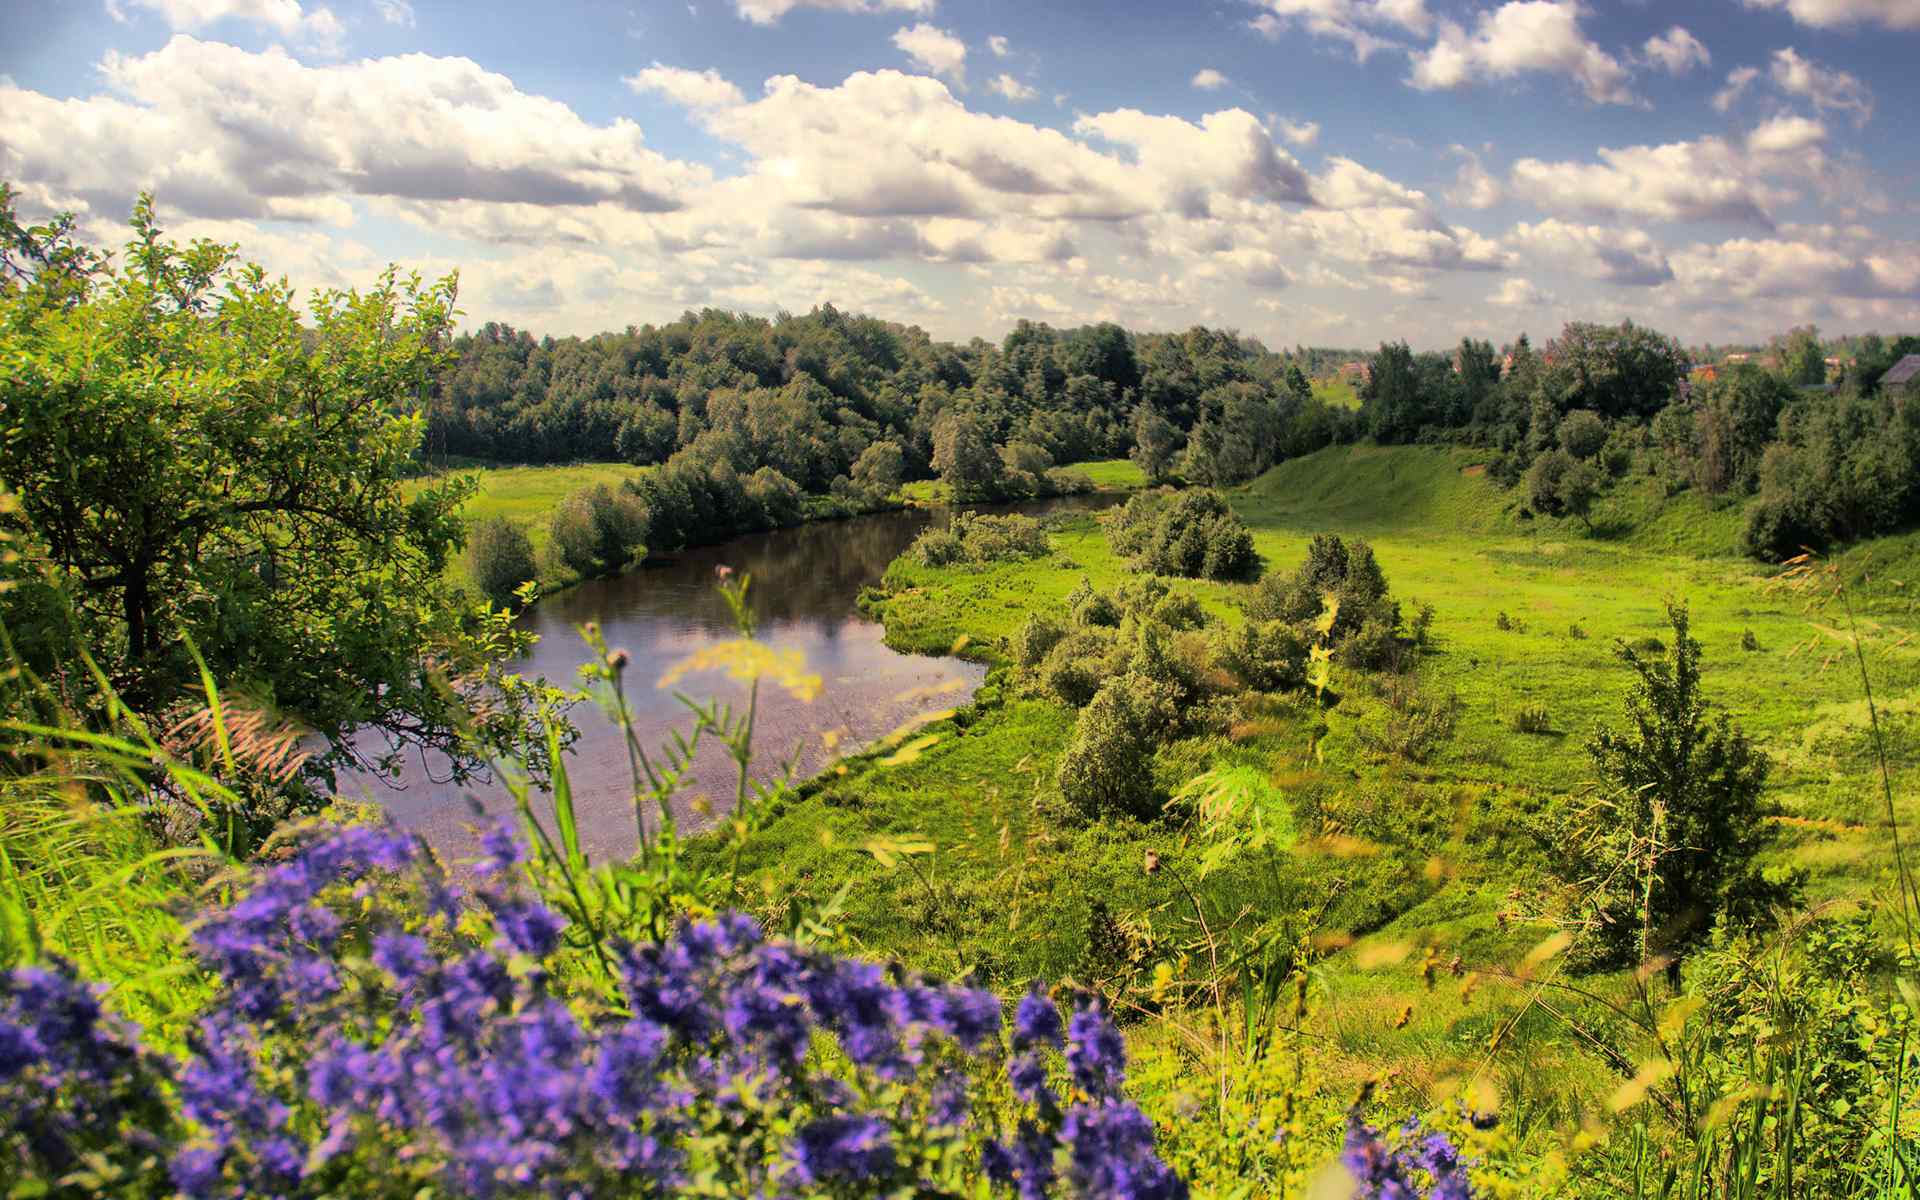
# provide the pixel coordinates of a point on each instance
(1469, 810)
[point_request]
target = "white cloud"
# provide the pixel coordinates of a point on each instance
(395, 12)
(319, 30)
(1300, 133)
(1786, 135)
(934, 49)
(1473, 186)
(999, 45)
(1745, 270)
(1832, 14)
(1826, 88)
(1228, 154)
(1626, 256)
(1522, 37)
(218, 132)
(1006, 85)
(689, 89)
(1677, 51)
(1356, 22)
(1519, 293)
(1708, 179)
(1208, 80)
(1738, 81)
(768, 12)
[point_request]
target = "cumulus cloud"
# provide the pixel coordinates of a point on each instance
(1359, 23)
(689, 89)
(1749, 269)
(1824, 87)
(1228, 153)
(768, 12)
(1519, 292)
(1006, 85)
(395, 12)
(1676, 51)
(318, 29)
(1208, 80)
(1473, 186)
(1518, 38)
(1626, 256)
(1786, 135)
(999, 45)
(1709, 179)
(1834, 14)
(222, 133)
(934, 49)
(1300, 133)
(1738, 81)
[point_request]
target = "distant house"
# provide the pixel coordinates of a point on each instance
(1734, 359)
(1357, 373)
(1706, 374)
(1902, 373)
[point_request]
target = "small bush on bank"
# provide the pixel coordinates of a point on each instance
(1266, 656)
(981, 538)
(1531, 718)
(500, 559)
(1194, 534)
(1107, 768)
(597, 530)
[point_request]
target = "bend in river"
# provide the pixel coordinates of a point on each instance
(805, 584)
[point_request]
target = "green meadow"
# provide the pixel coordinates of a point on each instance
(952, 852)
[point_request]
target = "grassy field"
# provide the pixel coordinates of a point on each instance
(1108, 475)
(1337, 390)
(1449, 860)
(525, 495)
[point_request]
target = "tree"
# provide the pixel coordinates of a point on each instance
(1108, 765)
(1155, 441)
(202, 467)
(1391, 398)
(1582, 433)
(881, 468)
(1616, 370)
(1677, 843)
(964, 457)
(1803, 360)
(1558, 485)
(500, 559)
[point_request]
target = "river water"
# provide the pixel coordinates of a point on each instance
(805, 583)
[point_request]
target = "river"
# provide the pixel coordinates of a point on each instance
(805, 584)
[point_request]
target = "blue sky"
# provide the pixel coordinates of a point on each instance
(1318, 171)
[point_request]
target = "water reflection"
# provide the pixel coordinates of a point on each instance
(805, 582)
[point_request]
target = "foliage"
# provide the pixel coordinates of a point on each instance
(202, 472)
(1844, 469)
(1582, 433)
(981, 538)
(1155, 442)
(1194, 534)
(1339, 596)
(1669, 850)
(598, 531)
(964, 458)
(500, 559)
(1107, 767)
(1531, 718)
(1559, 485)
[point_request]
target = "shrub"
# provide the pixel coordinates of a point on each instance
(1531, 718)
(1107, 767)
(1577, 632)
(1345, 575)
(1678, 842)
(1066, 481)
(1072, 670)
(981, 538)
(1091, 608)
(1559, 485)
(596, 530)
(1267, 656)
(1035, 638)
(1195, 535)
(1417, 725)
(1748, 641)
(500, 559)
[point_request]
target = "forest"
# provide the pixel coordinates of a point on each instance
(1501, 786)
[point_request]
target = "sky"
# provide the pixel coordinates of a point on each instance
(1318, 172)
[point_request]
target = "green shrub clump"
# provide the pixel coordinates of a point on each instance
(1340, 594)
(981, 538)
(1194, 535)
(500, 559)
(597, 530)
(1108, 766)
(1266, 656)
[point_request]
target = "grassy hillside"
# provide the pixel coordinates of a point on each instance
(1528, 613)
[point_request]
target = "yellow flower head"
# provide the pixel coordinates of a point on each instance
(748, 661)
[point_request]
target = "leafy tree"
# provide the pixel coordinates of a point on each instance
(1582, 433)
(1675, 850)
(1736, 416)
(1558, 485)
(201, 465)
(881, 468)
(1803, 360)
(1195, 534)
(500, 559)
(1617, 371)
(964, 457)
(1343, 579)
(1391, 399)
(1107, 767)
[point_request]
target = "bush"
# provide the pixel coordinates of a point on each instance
(1577, 632)
(1531, 718)
(1065, 481)
(1034, 639)
(1559, 485)
(1091, 608)
(1195, 535)
(500, 559)
(597, 530)
(1748, 641)
(981, 538)
(1582, 433)
(1267, 656)
(1335, 572)
(1072, 670)
(1107, 767)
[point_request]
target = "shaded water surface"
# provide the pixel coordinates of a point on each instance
(805, 582)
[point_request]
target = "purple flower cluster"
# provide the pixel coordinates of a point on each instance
(73, 1081)
(1384, 1170)
(374, 1034)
